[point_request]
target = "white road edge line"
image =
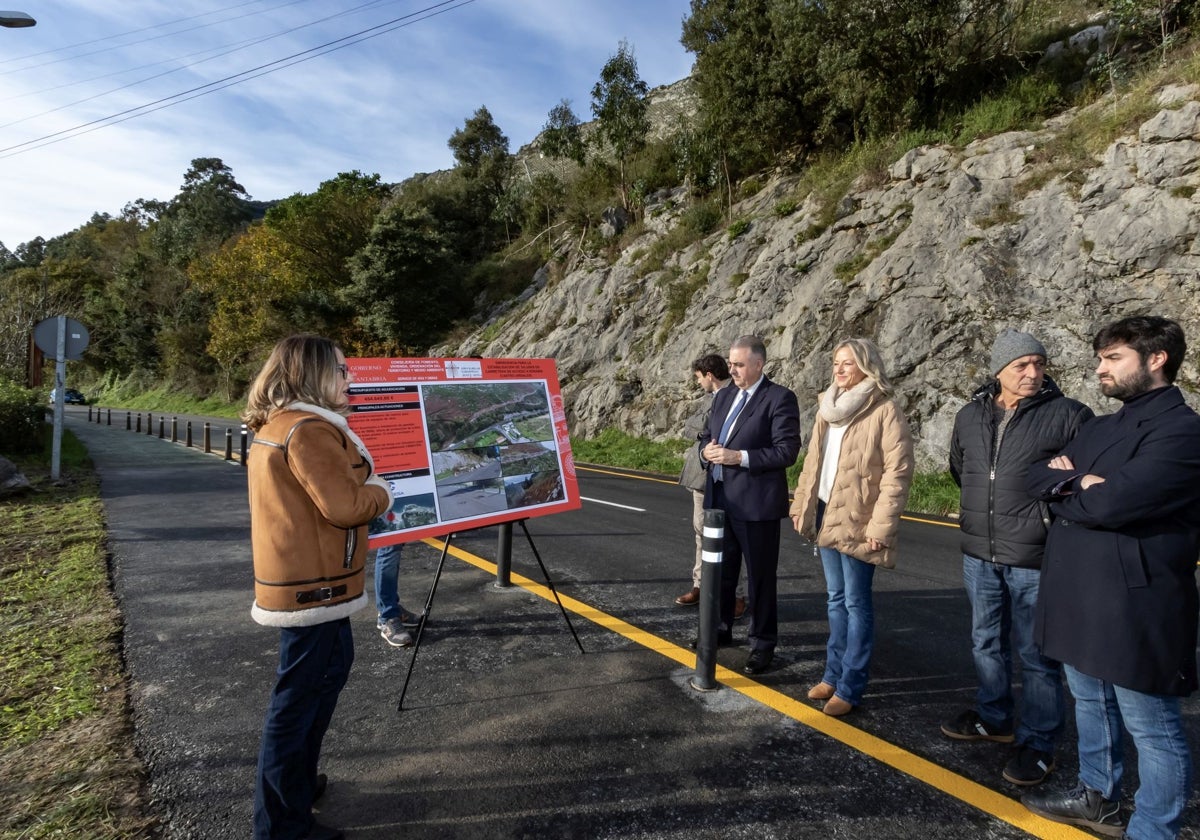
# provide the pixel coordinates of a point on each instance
(612, 504)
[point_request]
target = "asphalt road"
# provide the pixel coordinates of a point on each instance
(507, 730)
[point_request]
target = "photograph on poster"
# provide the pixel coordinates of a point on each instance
(462, 454)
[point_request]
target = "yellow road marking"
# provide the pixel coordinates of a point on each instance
(972, 793)
(637, 477)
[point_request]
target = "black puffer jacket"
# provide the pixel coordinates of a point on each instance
(1000, 522)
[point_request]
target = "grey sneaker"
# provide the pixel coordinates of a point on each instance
(969, 726)
(394, 634)
(1081, 806)
(409, 619)
(1028, 766)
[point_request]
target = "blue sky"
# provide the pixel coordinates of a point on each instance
(386, 105)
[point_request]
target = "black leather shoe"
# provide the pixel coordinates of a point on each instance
(759, 661)
(724, 639)
(319, 790)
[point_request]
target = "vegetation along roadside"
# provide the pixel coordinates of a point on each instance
(66, 745)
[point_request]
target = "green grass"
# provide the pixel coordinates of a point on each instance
(64, 728)
(932, 493)
(163, 400)
(614, 448)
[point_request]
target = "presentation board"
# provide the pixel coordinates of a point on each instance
(464, 443)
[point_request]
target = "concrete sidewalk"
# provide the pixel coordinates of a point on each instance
(508, 731)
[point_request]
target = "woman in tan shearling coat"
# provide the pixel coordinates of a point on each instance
(313, 489)
(848, 502)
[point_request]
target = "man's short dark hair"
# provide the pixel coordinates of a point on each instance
(712, 363)
(1146, 334)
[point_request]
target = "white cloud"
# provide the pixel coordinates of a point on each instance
(387, 105)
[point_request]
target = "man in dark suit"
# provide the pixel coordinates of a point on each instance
(1118, 604)
(753, 436)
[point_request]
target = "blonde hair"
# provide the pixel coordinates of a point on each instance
(869, 361)
(301, 368)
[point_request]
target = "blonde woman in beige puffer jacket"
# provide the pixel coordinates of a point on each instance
(848, 502)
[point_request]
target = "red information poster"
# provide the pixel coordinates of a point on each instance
(465, 443)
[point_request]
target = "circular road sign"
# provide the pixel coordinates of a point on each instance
(45, 335)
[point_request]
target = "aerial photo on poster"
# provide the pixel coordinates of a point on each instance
(464, 443)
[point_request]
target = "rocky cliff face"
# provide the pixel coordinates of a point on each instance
(954, 245)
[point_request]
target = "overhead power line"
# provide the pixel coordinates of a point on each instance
(232, 49)
(237, 78)
(136, 31)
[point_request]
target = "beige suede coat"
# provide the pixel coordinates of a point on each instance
(875, 468)
(312, 493)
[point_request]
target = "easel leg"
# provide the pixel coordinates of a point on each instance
(424, 618)
(550, 584)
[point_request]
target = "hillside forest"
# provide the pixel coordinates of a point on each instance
(191, 292)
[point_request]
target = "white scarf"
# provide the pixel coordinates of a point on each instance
(838, 407)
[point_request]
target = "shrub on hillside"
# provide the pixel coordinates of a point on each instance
(21, 419)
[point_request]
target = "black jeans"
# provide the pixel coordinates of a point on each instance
(314, 663)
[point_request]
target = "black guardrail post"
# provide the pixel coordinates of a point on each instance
(207, 437)
(149, 423)
(174, 430)
(162, 427)
(108, 416)
(189, 434)
(504, 556)
(228, 444)
(128, 421)
(89, 414)
(245, 442)
(139, 423)
(712, 549)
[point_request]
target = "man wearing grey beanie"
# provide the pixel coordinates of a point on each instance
(1017, 417)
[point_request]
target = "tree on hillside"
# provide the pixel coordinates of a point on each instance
(481, 153)
(253, 286)
(562, 135)
(619, 106)
(211, 206)
(320, 232)
(406, 282)
(780, 74)
(755, 84)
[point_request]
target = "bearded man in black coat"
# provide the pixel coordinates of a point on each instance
(1118, 604)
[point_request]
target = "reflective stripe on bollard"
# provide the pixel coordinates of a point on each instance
(712, 550)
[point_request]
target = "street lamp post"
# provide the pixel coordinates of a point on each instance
(16, 20)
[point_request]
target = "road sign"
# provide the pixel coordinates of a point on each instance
(45, 335)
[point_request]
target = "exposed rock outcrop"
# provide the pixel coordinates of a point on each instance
(951, 246)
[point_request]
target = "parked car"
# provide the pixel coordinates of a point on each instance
(70, 397)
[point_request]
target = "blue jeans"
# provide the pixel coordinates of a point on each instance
(387, 577)
(851, 623)
(314, 663)
(1002, 609)
(1103, 712)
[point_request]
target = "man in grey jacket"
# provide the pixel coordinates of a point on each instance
(1017, 418)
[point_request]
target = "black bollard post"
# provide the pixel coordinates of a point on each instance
(174, 430)
(189, 434)
(228, 444)
(108, 417)
(245, 442)
(139, 423)
(128, 421)
(89, 414)
(712, 549)
(149, 423)
(504, 556)
(207, 437)
(162, 430)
